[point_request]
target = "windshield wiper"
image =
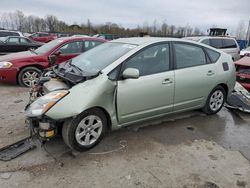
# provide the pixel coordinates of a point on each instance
(73, 65)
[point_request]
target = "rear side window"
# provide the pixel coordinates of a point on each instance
(216, 43)
(6, 34)
(214, 56)
(189, 55)
(229, 43)
(14, 34)
(206, 41)
(43, 35)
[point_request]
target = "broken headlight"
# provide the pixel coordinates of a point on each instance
(44, 103)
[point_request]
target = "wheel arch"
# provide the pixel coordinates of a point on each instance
(23, 67)
(225, 87)
(105, 112)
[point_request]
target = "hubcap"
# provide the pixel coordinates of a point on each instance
(88, 130)
(216, 100)
(30, 78)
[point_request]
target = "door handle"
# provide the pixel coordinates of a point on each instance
(167, 81)
(210, 73)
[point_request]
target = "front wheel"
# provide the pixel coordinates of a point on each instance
(29, 76)
(85, 131)
(215, 100)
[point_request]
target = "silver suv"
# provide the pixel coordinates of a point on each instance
(6, 33)
(226, 44)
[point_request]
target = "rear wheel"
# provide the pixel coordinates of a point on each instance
(86, 130)
(29, 76)
(215, 100)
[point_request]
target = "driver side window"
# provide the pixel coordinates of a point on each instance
(71, 48)
(151, 60)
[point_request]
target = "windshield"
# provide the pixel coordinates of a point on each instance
(100, 57)
(47, 47)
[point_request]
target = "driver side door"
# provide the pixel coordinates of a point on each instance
(69, 51)
(152, 93)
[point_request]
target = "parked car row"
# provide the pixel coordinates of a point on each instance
(25, 67)
(12, 44)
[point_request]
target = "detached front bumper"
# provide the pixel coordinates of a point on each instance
(44, 129)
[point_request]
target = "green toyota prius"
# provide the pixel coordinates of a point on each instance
(124, 82)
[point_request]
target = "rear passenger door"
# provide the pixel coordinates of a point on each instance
(194, 76)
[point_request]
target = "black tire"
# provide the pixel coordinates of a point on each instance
(208, 109)
(71, 126)
(22, 76)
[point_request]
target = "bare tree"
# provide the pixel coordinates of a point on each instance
(241, 30)
(51, 22)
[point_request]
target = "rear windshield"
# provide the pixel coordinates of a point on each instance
(229, 43)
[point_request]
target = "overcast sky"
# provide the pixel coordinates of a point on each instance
(196, 13)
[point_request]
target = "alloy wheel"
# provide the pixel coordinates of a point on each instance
(30, 78)
(216, 100)
(89, 130)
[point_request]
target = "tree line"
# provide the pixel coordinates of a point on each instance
(29, 23)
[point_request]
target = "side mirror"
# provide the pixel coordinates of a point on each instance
(57, 53)
(52, 60)
(131, 73)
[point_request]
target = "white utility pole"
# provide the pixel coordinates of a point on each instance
(248, 34)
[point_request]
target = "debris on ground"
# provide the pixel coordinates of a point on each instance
(18, 101)
(239, 99)
(5, 175)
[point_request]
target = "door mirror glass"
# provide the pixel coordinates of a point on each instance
(130, 73)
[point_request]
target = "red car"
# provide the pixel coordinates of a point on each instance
(243, 72)
(42, 37)
(25, 68)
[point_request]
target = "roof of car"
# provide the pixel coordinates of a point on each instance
(197, 38)
(144, 40)
(75, 38)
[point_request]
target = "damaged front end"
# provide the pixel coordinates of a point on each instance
(51, 88)
(239, 99)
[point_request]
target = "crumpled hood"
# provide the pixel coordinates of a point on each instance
(18, 56)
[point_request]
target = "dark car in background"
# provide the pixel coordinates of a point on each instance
(42, 37)
(243, 72)
(25, 68)
(13, 44)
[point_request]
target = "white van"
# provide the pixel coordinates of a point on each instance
(226, 44)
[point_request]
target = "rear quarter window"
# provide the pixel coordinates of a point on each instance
(213, 55)
(229, 43)
(216, 43)
(205, 41)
